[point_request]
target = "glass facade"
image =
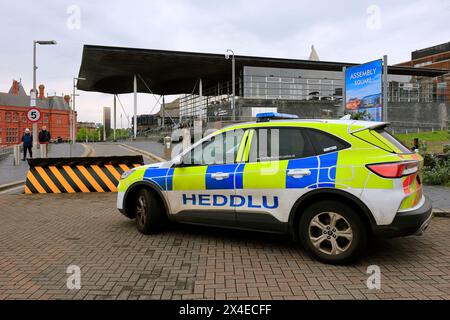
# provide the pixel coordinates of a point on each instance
(297, 85)
(292, 84)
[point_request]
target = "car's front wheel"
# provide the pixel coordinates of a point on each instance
(332, 232)
(149, 212)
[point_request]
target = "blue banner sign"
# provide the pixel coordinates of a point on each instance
(363, 88)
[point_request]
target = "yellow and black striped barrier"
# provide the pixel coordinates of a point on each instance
(70, 175)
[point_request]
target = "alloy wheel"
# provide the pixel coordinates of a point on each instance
(141, 210)
(330, 233)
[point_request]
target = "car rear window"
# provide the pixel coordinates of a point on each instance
(325, 143)
(393, 140)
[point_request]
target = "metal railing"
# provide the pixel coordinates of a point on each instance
(292, 88)
(414, 92)
(6, 151)
(192, 105)
(299, 89)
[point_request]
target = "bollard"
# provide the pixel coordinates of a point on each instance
(167, 147)
(83, 174)
(17, 155)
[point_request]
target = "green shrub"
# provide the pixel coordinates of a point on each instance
(429, 160)
(436, 176)
(436, 171)
(446, 148)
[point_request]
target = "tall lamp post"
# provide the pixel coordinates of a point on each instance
(233, 81)
(73, 134)
(33, 95)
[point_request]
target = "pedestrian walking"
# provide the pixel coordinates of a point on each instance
(27, 140)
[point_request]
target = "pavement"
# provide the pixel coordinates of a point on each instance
(10, 173)
(103, 149)
(39, 240)
(440, 197)
(152, 146)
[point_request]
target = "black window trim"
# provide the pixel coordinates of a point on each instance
(305, 135)
(212, 138)
(346, 144)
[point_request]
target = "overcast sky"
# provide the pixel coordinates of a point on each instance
(350, 31)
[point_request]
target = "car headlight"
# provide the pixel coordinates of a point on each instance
(126, 174)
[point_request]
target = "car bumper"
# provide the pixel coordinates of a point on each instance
(407, 223)
(120, 203)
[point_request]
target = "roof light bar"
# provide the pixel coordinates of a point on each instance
(267, 116)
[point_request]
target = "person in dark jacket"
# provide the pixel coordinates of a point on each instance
(27, 140)
(44, 135)
(44, 138)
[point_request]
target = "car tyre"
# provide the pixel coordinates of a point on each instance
(149, 212)
(332, 232)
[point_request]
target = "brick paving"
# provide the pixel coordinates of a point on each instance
(41, 235)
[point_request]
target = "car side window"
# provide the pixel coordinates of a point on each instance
(324, 142)
(219, 149)
(272, 144)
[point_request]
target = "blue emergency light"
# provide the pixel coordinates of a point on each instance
(267, 116)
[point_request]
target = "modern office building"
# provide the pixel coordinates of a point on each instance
(14, 105)
(169, 114)
(308, 88)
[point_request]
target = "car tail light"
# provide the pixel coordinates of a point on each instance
(394, 169)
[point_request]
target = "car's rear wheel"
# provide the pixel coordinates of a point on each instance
(149, 212)
(332, 232)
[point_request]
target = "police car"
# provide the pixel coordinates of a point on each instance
(331, 184)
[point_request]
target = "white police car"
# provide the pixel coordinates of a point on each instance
(331, 184)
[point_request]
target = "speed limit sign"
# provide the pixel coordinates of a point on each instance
(33, 114)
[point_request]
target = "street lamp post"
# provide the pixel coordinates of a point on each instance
(73, 134)
(33, 95)
(233, 81)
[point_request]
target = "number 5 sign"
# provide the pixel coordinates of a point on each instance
(33, 114)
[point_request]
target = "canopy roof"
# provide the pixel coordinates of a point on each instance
(111, 69)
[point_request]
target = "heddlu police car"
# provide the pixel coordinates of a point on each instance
(330, 183)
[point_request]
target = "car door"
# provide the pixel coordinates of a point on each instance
(202, 188)
(280, 166)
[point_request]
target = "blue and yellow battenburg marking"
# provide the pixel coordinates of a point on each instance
(322, 168)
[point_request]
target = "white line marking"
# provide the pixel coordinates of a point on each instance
(12, 189)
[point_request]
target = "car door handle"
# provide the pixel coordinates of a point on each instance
(298, 173)
(220, 175)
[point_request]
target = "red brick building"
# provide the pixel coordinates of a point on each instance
(436, 57)
(55, 114)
